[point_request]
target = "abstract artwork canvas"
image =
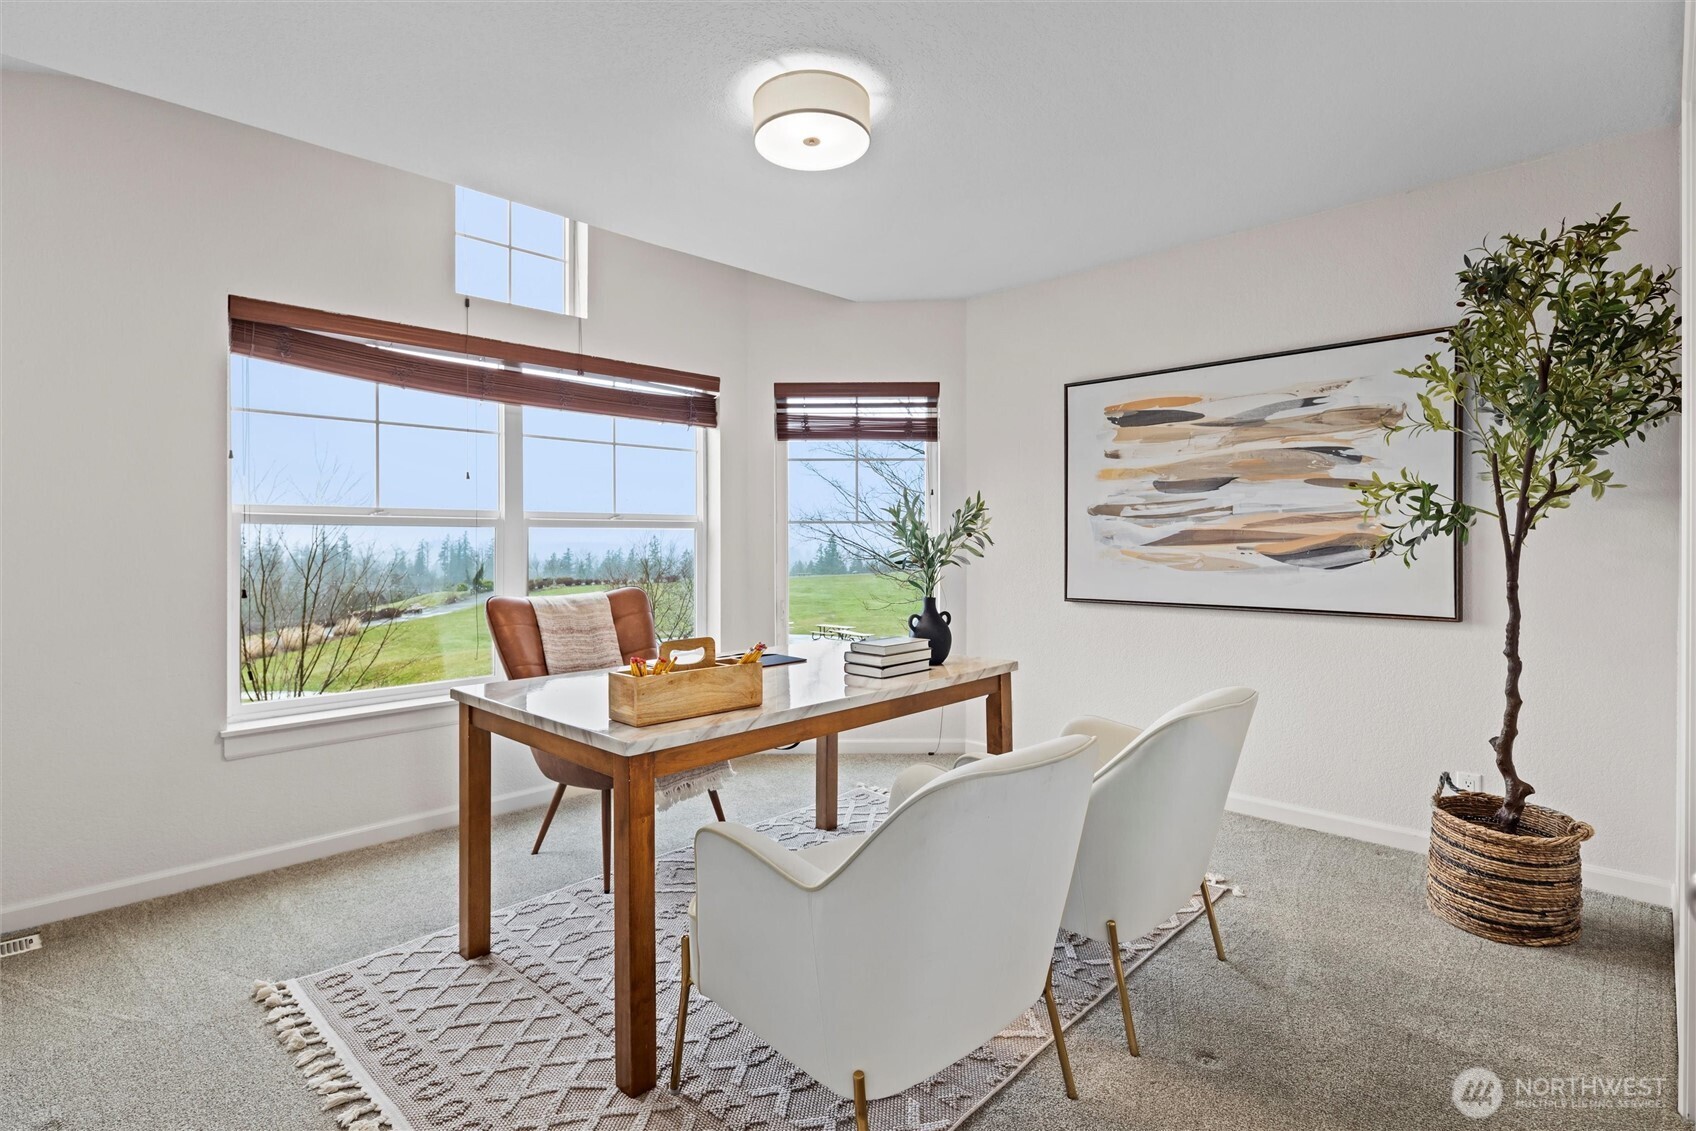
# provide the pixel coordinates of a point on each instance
(1228, 485)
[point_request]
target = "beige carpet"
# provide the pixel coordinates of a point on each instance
(416, 1037)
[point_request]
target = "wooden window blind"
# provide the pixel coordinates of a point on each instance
(439, 361)
(892, 410)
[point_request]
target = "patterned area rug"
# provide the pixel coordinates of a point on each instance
(415, 1037)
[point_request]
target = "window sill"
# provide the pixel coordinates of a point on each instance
(251, 738)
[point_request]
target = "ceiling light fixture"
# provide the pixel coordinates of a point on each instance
(812, 120)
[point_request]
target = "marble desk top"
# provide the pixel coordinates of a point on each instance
(575, 706)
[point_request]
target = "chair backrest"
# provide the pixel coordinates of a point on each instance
(1153, 815)
(518, 638)
(938, 931)
(518, 645)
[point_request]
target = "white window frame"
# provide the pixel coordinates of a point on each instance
(933, 482)
(509, 521)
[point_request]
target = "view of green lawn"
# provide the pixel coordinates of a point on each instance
(447, 645)
(861, 601)
(454, 644)
(419, 649)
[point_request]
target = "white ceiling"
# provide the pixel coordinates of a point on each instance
(1011, 142)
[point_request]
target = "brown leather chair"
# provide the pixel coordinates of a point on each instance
(518, 643)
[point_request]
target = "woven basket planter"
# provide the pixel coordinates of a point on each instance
(1524, 888)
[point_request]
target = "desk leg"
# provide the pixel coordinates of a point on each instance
(635, 1034)
(998, 716)
(824, 781)
(474, 836)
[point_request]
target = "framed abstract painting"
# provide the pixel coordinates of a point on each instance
(1227, 485)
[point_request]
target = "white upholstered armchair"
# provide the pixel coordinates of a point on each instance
(1154, 812)
(874, 961)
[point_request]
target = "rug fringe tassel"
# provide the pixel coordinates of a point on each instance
(684, 789)
(322, 1069)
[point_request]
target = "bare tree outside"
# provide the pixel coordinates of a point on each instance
(323, 613)
(317, 614)
(667, 575)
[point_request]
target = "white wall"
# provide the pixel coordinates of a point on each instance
(1357, 716)
(126, 224)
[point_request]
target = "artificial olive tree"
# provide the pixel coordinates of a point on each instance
(1557, 359)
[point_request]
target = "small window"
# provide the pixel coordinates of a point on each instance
(839, 492)
(513, 253)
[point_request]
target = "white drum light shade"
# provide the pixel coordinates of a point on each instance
(812, 120)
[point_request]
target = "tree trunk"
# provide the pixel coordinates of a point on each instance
(1514, 789)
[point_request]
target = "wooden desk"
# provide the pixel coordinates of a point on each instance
(566, 716)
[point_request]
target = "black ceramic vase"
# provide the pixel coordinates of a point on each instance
(933, 626)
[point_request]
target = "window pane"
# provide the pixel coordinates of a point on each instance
(538, 282)
(881, 482)
(432, 468)
(655, 481)
(282, 460)
(653, 432)
(567, 425)
(538, 231)
(347, 608)
(479, 269)
(660, 562)
(257, 383)
(821, 489)
(479, 214)
(832, 587)
(821, 449)
(562, 475)
(410, 406)
(892, 449)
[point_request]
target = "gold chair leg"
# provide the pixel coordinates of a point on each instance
(682, 1021)
(1059, 1034)
(1212, 921)
(861, 1122)
(1124, 995)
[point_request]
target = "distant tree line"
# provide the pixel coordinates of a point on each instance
(828, 559)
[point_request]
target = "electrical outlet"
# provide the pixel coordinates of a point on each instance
(1472, 783)
(20, 945)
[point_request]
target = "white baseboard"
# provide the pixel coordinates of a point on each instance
(117, 893)
(102, 897)
(1613, 881)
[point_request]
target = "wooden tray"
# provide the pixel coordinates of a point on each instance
(702, 687)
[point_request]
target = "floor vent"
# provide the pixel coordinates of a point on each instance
(19, 945)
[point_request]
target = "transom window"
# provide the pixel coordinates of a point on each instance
(510, 252)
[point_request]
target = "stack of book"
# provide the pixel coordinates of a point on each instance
(885, 657)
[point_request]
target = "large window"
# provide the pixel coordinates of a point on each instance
(371, 522)
(839, 494)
